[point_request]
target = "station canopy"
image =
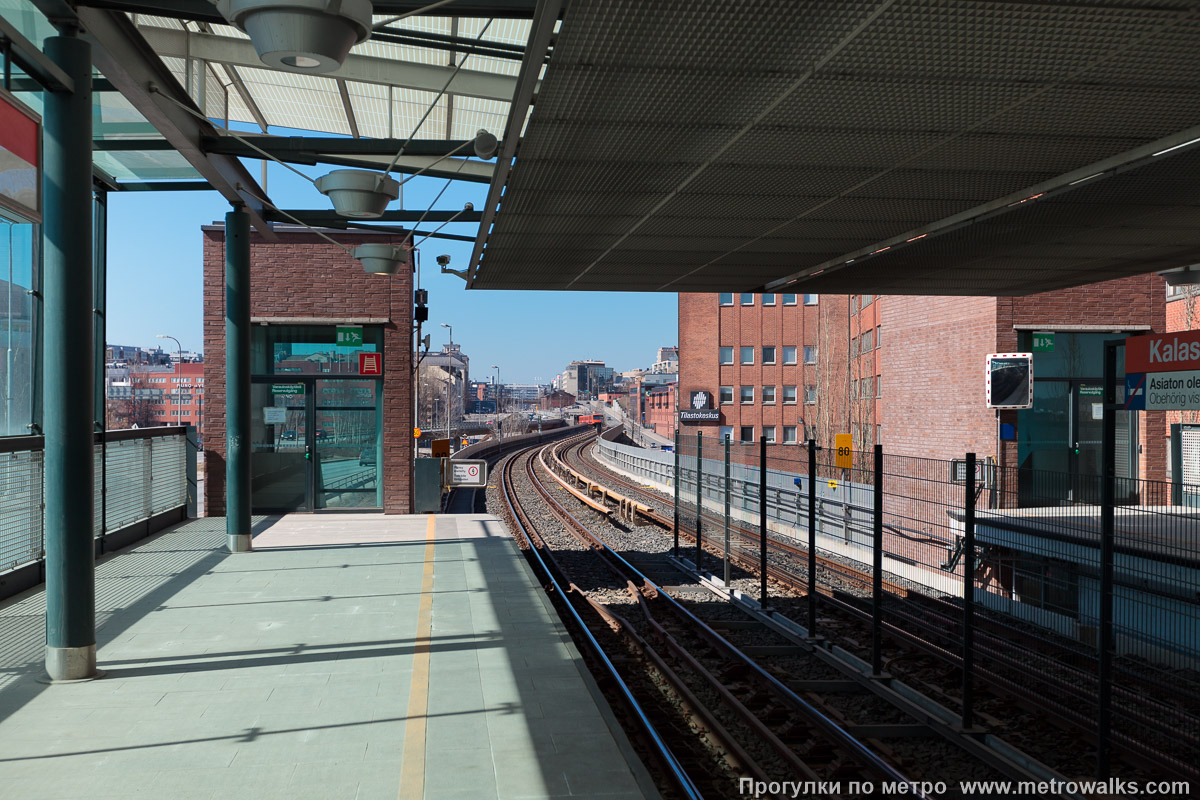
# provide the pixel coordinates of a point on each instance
(985, 147)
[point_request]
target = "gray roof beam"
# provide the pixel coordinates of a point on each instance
(541, 34)
(127, 60)
(364, 69)
(330, 218)
(30, 58)
(205, 11)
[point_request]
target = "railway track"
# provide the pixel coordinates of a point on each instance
(1009, 660)
(777, 706)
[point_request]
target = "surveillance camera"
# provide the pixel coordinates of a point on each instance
(443, 260)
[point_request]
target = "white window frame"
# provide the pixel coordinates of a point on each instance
(721, 356)
(789, 361)
(771, 401)
(747, 348)
(791, 402)
(725, 402)
(742, 395)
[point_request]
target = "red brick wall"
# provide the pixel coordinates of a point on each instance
(932, 361)
(661, 405)
(302, 275)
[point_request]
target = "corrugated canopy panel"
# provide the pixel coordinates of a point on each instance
(911, 146)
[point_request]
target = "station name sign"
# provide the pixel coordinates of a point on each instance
(1162, 372)
(1163, 352)
(701, 402)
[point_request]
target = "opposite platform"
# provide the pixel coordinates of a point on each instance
(348, 656)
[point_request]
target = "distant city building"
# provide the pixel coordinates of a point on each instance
(144, 395)
(444, 386)
(587, 379)
(556, 399)
(667, 361)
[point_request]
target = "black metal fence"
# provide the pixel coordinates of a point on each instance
(998, 571)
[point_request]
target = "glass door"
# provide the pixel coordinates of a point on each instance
(347, 439)
(281, 446)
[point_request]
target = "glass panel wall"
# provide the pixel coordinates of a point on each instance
(19, 318)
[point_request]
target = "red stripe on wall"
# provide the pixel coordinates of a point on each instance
(18, 133)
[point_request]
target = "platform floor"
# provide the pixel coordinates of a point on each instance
(350, 656)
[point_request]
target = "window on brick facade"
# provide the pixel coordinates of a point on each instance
(789, 299)
(768, 299)
(878, 336)
(810, 354)
(747, 433)
(868, 386)
(726, 355)
(768, 354)
(853, 304)
(810, 299)
(747, 395)
(726, 298)
(747, 355)
(854, 346)
(867, 299)
(789, 434)
(854, 390)
(726, 394)
(789, 354)
(768, 395)
(747, 299)
(810, 394)
(726, 432)
(879, 386)
(789, 395)
(769, 433)
(868, 340)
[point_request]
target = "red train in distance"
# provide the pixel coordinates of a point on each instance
(590, 419)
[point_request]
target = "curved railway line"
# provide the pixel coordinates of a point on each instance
(712, 692)
(923, 632)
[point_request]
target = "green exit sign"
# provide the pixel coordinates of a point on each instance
(287, 388)
(1043, 342)
(349, 336)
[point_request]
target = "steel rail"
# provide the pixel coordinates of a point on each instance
(1132, 745)
(683, 780)
(865, 756)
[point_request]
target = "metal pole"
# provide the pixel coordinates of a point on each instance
(1107, 530)
(675, 527)
(727, 484)
(762, 520)
(699, 497)
(877, 571)
(69, 391)
(812, 538)
(237, 380)
(968, 642)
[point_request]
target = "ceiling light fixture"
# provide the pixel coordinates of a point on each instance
(360, 193)
(381, 259)
(301, 35)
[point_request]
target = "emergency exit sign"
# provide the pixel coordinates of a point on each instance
(1043, 342)
(349, 336)
(287, 388)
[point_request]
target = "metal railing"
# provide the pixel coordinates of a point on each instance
(140, 474)
(998, 569)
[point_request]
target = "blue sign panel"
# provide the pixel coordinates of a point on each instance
(1135, 391)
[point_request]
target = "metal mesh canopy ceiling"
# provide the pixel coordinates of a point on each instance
(906, 146)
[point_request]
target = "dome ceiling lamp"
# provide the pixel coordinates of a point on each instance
(301, 35)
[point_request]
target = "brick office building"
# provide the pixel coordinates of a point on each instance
(909, 371)
(327, 432)
(760, 357)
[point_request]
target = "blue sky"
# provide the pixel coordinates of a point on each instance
(155, 286)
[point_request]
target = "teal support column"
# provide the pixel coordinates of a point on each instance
(67, 368)
(237, 380)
